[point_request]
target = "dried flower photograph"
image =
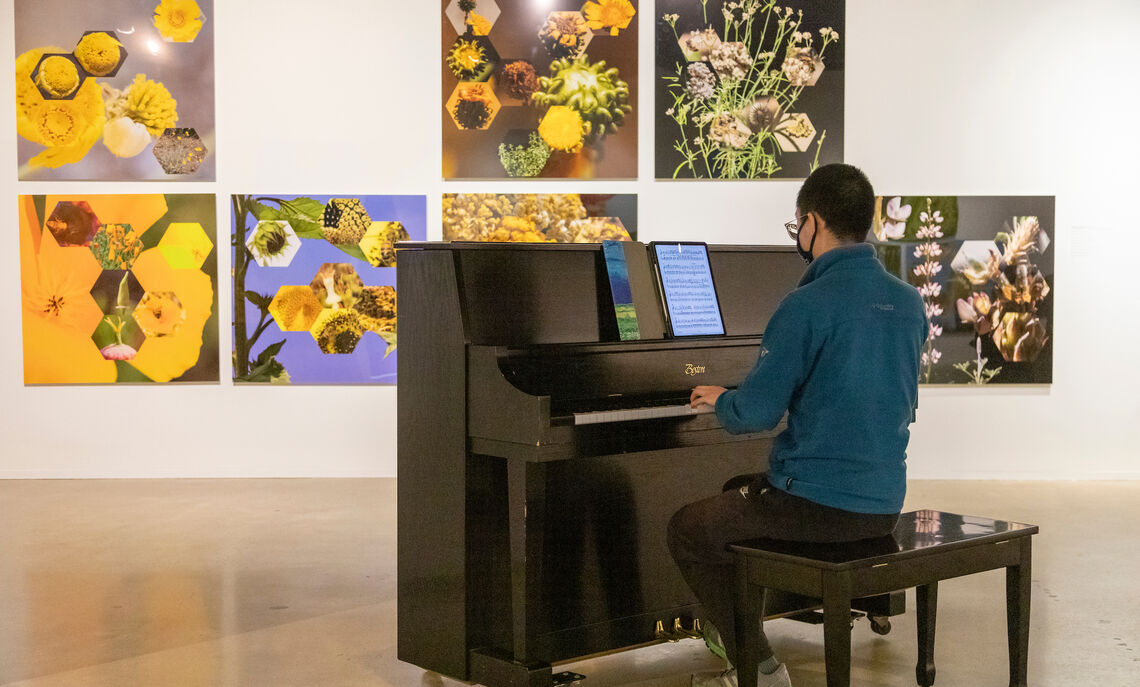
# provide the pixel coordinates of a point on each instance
(539, 89)
(748, 89)
(115, 91)
(984, 268)
(315, 286)
(539, 217)
(119, 288)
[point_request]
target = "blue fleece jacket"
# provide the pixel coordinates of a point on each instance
(841, 356)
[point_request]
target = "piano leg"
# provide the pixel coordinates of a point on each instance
(526, 487)
(526, 497)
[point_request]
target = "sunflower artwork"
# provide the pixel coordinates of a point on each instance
(984, 268)
(539, 89)
(315, 286)
(118, 288)
(115, 90)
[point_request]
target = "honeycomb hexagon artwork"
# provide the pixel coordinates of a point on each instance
(273, 243)
(608, 16)
(117, 335)
(802, 65)
(337, 330)
(337, 285)
(472, 58)
(479, 19)
(344, 221)
(100, 53)
(72, 223)
(379, 243)
(185, 245)
(179, 150)
(565, 34)
(473, 105)
(159, 313)
(377, 308)
(116, 246)
(58, 76)
(516, 80)
(762, 114)
(295, 308)
(973, 258)
(795, 133)
(697, 45)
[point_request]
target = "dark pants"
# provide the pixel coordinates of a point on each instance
(700, 533)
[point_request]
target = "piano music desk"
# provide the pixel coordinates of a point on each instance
(926, 546)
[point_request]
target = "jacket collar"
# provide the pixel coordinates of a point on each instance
(843, 255)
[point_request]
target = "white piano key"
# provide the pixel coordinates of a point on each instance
(606, 416)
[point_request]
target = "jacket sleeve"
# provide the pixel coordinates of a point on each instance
(763, 397)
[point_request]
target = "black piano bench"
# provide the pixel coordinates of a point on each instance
(925, 547)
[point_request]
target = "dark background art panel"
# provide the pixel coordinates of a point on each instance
(984, 267)
(748, 89)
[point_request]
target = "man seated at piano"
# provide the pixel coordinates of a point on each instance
(841, 358)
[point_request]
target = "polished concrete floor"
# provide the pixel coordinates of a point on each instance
(291, 583)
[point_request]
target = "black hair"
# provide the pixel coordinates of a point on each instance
(841, 195)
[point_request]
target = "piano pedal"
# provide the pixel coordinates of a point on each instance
(567, 678)
(680, 631)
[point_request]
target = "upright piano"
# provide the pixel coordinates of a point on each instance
(540, 457)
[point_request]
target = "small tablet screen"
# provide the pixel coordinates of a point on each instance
(687, 286)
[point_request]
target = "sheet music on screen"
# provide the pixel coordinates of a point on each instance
(690, 295)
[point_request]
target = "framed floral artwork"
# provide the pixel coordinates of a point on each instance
(748, 89)
(540, 217)
(115, 90)
(315, 286)
(539, 89)
(984, 267)
(118, 288)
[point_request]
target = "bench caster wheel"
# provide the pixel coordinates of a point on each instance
(880, 624)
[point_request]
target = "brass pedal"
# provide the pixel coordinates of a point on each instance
(680, 631)
(660, 633)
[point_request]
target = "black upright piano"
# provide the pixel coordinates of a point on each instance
(531, 529)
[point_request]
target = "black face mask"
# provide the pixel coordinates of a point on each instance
(806, 255)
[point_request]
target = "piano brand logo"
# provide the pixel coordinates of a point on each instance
(693, 370)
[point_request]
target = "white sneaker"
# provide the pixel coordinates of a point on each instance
(727, 678)
(780, 678)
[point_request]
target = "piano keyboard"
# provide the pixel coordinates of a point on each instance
(626, 414)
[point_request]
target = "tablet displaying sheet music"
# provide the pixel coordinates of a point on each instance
(687, 288)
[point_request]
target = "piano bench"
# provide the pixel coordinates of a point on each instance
(925, 547)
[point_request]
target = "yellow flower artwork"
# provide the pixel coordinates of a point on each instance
(105, 90)
(154, 321)
(178, 20)
(608, 14)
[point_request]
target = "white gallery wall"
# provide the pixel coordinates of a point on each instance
(944, 97)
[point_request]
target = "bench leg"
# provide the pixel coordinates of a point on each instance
(749, 602)
(837, 629)
(1017, 590)
(926, 611)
